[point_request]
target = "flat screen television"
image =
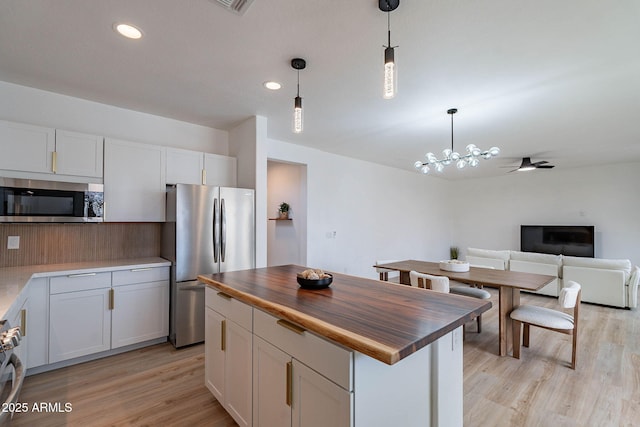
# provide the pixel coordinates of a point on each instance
(573, 240)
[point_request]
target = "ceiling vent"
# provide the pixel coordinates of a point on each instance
(238, 7)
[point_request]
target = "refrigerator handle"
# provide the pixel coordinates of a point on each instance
(216, 237)
(223, 229)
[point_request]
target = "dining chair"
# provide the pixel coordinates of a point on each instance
(553, 320)
(470, 291)
(427, 281)
(384, 272)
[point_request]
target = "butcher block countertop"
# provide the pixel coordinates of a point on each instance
(383, 320)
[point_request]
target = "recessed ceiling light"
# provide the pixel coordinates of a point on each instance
(272, 85)
(128, 31)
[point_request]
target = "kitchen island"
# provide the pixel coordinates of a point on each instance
(359, 353)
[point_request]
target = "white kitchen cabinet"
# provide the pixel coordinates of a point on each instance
(286, 392)
(98, 311)
(37, 318)
(26, 147)
(140, 305)
(58, 154)
(220, 170)
(79, 154)
(184, 166)
(214, 354)
(228, 347)
(272, 382)
(134, 182)
(286, 357)
(79, 315)
(316, 401)
(194, 167)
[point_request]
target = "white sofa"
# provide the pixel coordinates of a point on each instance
(604, 281)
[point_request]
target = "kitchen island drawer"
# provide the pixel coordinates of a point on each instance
(140, 275)
(329, 359)
(79, 282)
(229, 307)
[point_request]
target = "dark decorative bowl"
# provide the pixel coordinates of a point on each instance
(315, 284)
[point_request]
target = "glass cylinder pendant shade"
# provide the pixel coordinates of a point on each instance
(297, 115)
(390, 74)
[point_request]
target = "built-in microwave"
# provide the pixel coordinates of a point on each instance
(26, 200)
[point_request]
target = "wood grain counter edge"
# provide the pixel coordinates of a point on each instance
(374, 349)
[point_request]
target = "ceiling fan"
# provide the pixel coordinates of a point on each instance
(527, 165)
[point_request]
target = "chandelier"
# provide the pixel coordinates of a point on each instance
(471, 158)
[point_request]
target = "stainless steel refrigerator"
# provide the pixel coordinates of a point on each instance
(207, 230)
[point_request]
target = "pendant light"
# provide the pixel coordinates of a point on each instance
(449, 156)
(298, 64)
(390, 86)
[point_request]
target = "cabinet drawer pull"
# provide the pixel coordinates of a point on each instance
(225, 296)
(54, 162)
(289, 390)
(112, 299)
(295, 328)
(81, 275)
(135, 270)
(23, 322)
(223, 335)
(204, 177)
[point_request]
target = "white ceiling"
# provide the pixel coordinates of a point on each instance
(553, 80)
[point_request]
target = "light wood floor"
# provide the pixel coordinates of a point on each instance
(160, 386)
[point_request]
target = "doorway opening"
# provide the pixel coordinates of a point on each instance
(286, 238)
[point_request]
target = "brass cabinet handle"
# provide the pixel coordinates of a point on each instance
(289, 390)
(23, 322)
(290, 326)
(225, 296)
(204, 177)
(223, 335)
(54, 162)
(112, 299)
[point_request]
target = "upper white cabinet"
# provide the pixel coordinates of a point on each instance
(58, 153)
(26, 148)
(194, 167)
(78, 154)
(184, 166)
(134, 182)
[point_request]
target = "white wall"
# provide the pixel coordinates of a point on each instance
(488, 212)
(287, 240)
(377, 212)
(248, 144)
(38, 107)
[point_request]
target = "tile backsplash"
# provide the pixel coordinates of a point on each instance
(61, 243)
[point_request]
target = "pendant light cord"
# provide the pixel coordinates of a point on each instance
(452, 132)
(389, 25)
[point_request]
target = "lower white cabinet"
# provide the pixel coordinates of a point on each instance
(316, 401)
(286, 392)
(228, 354)
(79, 324)
(93, 312)
(268, 372)
(140, 305)
(37, 319)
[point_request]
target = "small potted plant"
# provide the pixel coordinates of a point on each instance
(284, 210)
(453, 252)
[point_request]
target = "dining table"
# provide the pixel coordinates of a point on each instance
(508, 283)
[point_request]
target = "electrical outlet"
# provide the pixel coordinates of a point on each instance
(13, 242)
